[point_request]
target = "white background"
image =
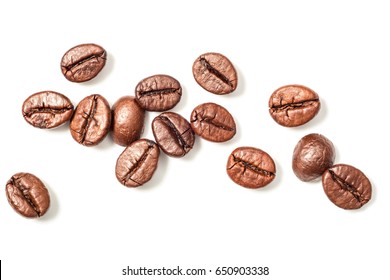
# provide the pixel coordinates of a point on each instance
(191, 214)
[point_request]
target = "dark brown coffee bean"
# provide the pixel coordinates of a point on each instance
(27, 195)
(91, 120)
(213, 122)
(47, 109)
(137, 163)
(215, 73)
(173, 133)
(293, 105)
(83, 62)
(312, 155)
(251, 167)
(346, 186)
(158, 93)
(128, 120)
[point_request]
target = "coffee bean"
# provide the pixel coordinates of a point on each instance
(27, 195)
(346, 186)
(173, 133)
(213, 122)
(83, 62)
(137, 163)
(128, 120)
(312, 155)
(158, 93)
(91, 120)
(251, 167)
(293, 105)
(47, 109)
(215, 73)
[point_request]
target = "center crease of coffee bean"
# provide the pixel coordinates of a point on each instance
(136, 166)
(173, 129)
(248, 165)
(26, 195)
(216, 73)
(44, 109)
(158, 91)
(77, 63)
(347, 187)
(212, 121)
(89, 116)
(294, 105)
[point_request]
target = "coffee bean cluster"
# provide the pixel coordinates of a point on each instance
(93, 119)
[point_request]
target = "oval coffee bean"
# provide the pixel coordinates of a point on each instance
(128, 120)
(215, 73)
(213, 122)
(137, 163)
(346, 186)
(173, 133)
(158, 93)
(91, 120)
(293, 105)
(47, 109)
(27, 195)
(83, 62)
(312, 155)
(251, 167)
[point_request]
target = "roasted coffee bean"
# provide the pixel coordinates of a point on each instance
(158, 93)
(312, 155)
(47, 109)
(83, 62)
(215, 73)
(293, 105)
(173, 133)
(213, 122)
(346, 186)
(128, 120)
(91, 120)
(251, 167)
(27, 195)
(137, 163)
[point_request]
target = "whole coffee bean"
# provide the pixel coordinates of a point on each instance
(251, 167)
(47, 109)
(312, 155)
(91, 120)
(83, 62)
(137, 163)
(158, 93)
(346, 186)
(27, 195)
(215, 73)
(293, 105)
(173, 133)
(128, 120)
(213, 122)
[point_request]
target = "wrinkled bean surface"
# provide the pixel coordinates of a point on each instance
(346, 186)
(47, 109)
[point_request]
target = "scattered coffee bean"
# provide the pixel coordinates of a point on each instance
(293, 105)
(128, 120)
(313, 154)
(137, 163)
(346, 186)
(213, 122)
(27, 195)
(251, 167)
(83, 62)
(158, 93)
(215, 73)
(91, 120)
(47, 109)
(173, 133)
